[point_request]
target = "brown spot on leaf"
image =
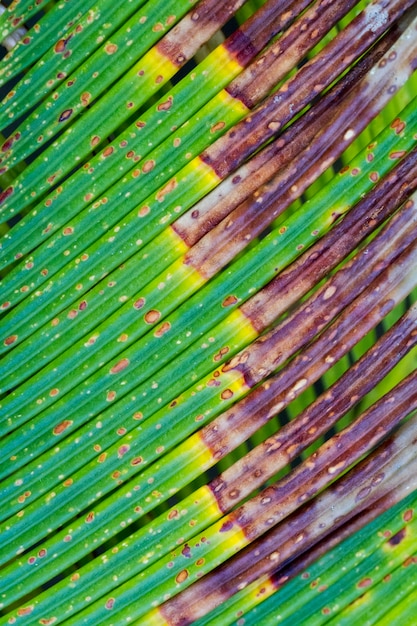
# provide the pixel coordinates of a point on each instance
(165, 106)
(62, 426)
(152, 316)
(398, 537)
(65, 115)
(168, 188)
(229, 301)
(10, 340)
(110, 48)
(182, 576)
(120, 366)
(164, 328)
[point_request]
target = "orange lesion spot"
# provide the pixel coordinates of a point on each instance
(10, 340)
(168, 188)
(229, 301)
(62, 426)
(120, 366)
(164, 328)
(85, 98)
(110, 48)
(152, 316)
(182, 576)
(217, 127)
(165, 106)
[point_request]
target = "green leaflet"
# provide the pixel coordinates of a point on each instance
(17, 13)
(139, 81)
(362, 556)
(288, 239)
(74, 43)
(370, 558)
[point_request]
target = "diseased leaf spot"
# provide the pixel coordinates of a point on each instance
(165, 106)
(62, 426)
(109, 604)
(120, 366)
(152, 316)
(229, 301)
(90, 517)
(139, 303)
(65, 115)
(164, 328)
(182, 576)
(123, 450)
(10, 340)
(110, 396)
(110, 48)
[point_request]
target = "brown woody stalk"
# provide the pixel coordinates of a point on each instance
(316, 142)
(377, 483)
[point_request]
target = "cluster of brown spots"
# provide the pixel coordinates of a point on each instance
(110, 48)
(9, 142)
(166, 105)
(168, 188)
(23, 497)
(10, 340)
(221, 353)
(398, 125)
(65, 115)
(164, 328)
(152, 316)
(61, 427)
(120, 366)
